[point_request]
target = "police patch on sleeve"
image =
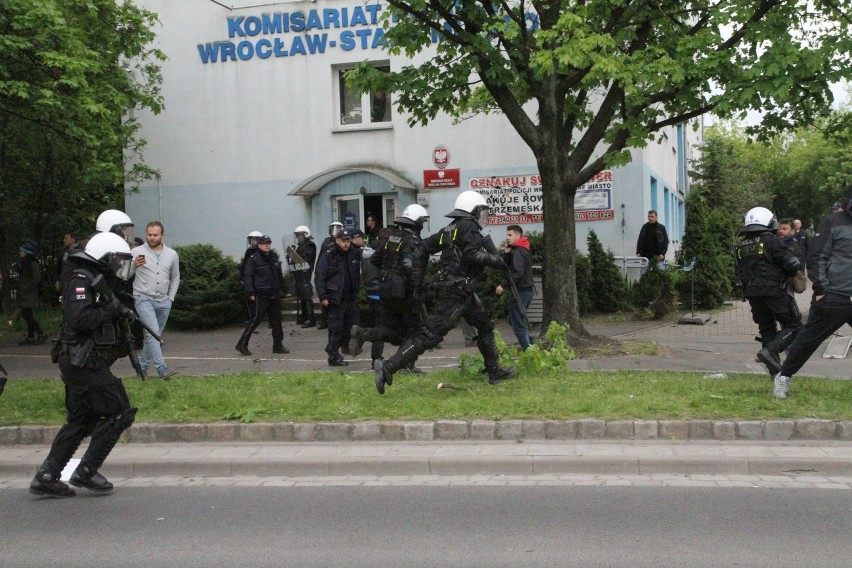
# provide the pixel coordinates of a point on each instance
(81, 293)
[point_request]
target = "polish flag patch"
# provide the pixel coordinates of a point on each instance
(81, 293)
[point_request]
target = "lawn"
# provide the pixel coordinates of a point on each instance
(345, 397)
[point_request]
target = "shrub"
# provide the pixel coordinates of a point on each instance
(655, 291)
(609, 289)
(585, 284)
(211, 293)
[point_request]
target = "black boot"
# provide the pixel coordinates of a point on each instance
(356, 340)
(243, 348)
(383, 375)
(85, 476)
(500, 374)
(770, 355)
(47, 483)
(771, 360)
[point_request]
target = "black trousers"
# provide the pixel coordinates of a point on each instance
(825, 317)
(257, 310)
(341, 318)
(33, 328)
(767, 312)
(395, 322)
(453, 303)
(97, 406)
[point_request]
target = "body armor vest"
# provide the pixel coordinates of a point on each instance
(759, 275)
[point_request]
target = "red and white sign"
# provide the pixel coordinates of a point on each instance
(518, 199)
(441, 156)
(434, 179)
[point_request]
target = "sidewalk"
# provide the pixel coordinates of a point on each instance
(821, 459)
(726, 344)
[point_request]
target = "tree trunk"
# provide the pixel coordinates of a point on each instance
(560, 245)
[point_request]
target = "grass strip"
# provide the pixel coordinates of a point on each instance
(345, 397)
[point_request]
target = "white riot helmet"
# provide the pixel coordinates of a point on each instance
(112, 253)
(302, 229)
(414, 216)
(251, 238)
(334, 228)
(759, 219)
(118, 222)
(471, 204)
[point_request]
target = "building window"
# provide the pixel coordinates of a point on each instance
(351, 105)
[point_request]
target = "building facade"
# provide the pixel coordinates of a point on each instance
(260, 132)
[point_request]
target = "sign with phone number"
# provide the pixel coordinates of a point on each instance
(605, 215)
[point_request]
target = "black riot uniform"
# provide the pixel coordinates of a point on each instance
(96, 401)
(307, 251)
(263, 281)
(463, 258)
(763, 265)
(401, 260)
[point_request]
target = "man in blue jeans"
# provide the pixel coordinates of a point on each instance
(519, 260)
(154, 288)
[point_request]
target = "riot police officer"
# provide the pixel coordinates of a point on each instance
(465, 253)
(763, 265)
(90, 343)
(306, 249)
(402, 261)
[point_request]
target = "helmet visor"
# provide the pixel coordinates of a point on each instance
(121, 264)
(126, 232)
(482, 215)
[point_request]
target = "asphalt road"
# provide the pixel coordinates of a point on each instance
(430, 526)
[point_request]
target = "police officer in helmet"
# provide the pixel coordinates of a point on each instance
(118, 222)
(402, 261)
(307, 251)
(90, 343)
(465, 253)
(763, 265)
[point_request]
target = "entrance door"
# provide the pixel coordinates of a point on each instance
(389, 209)
(349, 210)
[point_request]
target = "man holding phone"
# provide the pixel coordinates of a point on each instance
(154, 288)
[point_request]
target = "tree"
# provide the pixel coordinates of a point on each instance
(71, 73)
(583, 81)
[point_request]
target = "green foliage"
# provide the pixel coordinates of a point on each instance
(655, 292)
(211, 293)
(548, 356)
(609, 290)
(585, 284)
(71, 73)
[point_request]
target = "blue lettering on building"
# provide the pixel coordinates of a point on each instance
(243, 43)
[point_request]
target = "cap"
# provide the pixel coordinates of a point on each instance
(345, 234)
(30, 247)
(357, 233)
(264, 240)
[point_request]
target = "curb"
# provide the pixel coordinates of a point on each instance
(464, 430)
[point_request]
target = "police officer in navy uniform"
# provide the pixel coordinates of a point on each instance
(328, 243)
(337, 280)
(90, 343)
(402, 262)
(763, 265)
(465, 253)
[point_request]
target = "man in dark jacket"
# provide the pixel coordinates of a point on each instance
(653, 240)
(830, 271)
(338, 277)
(763, 265)
(518, 258)
(263, 282)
